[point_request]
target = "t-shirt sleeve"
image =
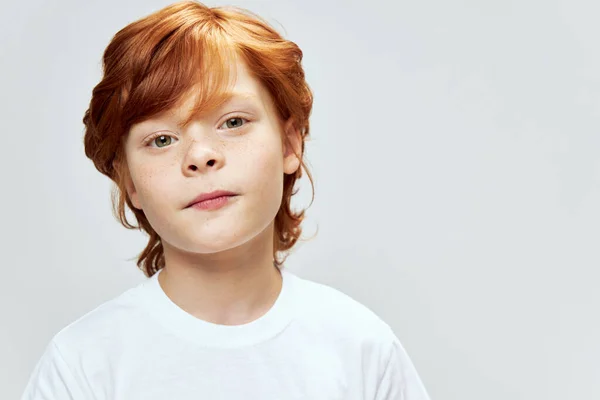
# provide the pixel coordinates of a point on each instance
(53, 379)
(400, 380)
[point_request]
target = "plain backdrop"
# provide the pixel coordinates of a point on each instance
(456, 154)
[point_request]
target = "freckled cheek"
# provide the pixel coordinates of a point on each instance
(153, 186)
(267, 168)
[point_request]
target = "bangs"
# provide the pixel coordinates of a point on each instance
(194, 60)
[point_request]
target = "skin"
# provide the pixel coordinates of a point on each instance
(219, 263)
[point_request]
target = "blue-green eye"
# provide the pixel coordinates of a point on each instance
(235, 125)
(163, 140)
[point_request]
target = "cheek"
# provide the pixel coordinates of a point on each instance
(261, 176)
(152, 186)
(266, 165)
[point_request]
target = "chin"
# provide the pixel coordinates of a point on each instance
(210, 243)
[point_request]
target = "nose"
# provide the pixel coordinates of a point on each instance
(202, 156)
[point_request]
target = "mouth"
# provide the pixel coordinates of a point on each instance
(212, 203)
(209, 196)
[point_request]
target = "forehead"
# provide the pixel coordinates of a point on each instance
(245, 89)
(235, 98)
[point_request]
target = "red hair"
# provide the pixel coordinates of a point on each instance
(153, 63)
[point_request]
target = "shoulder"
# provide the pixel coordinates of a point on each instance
(97, 327)
(80, 347)
(331, 309)
(356, 331)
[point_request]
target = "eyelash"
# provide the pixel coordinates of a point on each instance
(159, 134)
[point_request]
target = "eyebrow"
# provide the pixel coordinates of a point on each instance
(241, 95)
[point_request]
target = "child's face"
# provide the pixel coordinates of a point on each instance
(245, 155)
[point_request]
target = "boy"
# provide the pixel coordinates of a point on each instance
(200, 120)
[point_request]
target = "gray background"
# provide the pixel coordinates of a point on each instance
(456, 154)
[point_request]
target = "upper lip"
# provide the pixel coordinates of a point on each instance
(211, 195)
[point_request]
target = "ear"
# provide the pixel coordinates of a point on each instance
(133, 195)
(292, 145)
(130, 188)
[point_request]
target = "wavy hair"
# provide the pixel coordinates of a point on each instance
(153, 63)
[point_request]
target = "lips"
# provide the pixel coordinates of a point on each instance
(211, 195)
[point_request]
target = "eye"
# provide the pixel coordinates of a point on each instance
(234, 122)
(164, 141)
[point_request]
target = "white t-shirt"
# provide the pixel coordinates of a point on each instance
(315, 342)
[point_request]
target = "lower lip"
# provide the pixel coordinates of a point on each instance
(212, 204)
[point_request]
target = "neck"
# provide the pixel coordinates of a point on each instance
(229, 288)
